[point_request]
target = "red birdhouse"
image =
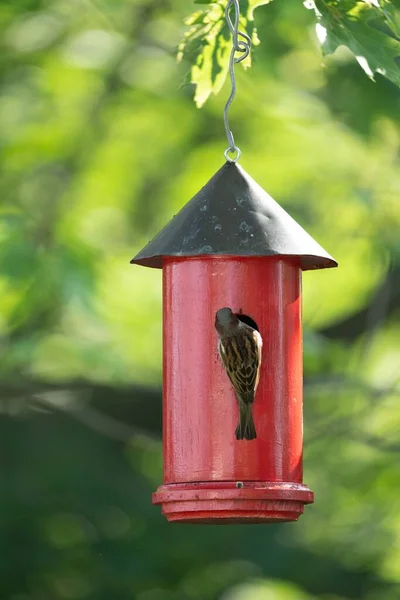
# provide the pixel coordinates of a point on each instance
(232, 246)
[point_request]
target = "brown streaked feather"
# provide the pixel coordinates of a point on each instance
(241, 357)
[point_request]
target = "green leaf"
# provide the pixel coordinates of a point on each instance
(367, 28)
(207, 44)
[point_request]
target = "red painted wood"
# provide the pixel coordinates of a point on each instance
(200, 410)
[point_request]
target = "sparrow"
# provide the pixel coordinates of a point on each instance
(239, 347)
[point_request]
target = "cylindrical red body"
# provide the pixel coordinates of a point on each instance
(209, 476)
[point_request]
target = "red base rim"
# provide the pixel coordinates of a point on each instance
(233, 502)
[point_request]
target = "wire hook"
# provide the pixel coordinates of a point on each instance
(243, 46)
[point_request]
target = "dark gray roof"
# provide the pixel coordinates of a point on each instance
(232, 215)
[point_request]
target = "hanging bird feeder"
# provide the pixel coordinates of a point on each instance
(232, 246)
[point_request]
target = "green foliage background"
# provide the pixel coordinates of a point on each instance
(99, 148)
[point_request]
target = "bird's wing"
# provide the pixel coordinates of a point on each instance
(241, 358)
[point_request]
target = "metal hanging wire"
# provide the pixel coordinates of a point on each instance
(243, 46)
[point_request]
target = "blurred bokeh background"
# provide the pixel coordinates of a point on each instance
(99, 148)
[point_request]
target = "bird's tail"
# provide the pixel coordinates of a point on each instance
(245, 429)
